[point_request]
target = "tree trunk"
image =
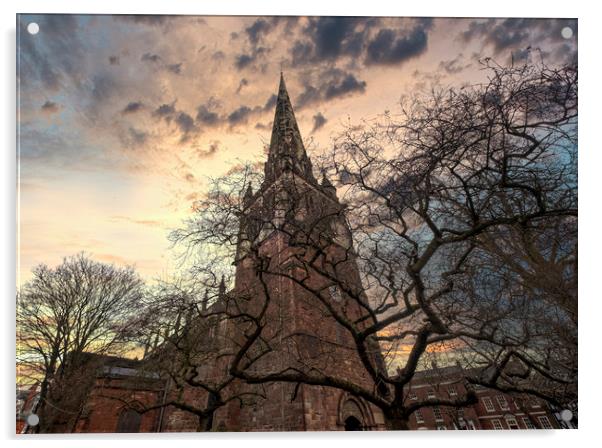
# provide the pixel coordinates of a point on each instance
(394, 421)
(205, 423)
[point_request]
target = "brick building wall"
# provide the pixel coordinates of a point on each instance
(493, 410)
(112, 397)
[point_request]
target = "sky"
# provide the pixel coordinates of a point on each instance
(123, 119)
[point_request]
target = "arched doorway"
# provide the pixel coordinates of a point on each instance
(129, 421)
(351, 415)
(352, 424)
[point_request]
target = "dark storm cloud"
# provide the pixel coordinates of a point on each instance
(348, 85)
(319, 121)
(206, 116)
(243, 83)
(185, 122)
(257, 29)
(331, 38)
(150, 57)
(136, 137)
(240, 115)
(309, 95)
(165, 111)
(157, 61)
(175, 68)
(334, 36)
(244, 60)
(454, 66)
(330, 84)
(50, 107)
(132, 107)
(271, 102)
(501, 34)
(263, 126)
(210, 151)
(261, 27)
(362, 39)
(388, 47)
(514, 35)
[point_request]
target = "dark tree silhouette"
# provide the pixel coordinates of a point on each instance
(81, 307)
(461, 215)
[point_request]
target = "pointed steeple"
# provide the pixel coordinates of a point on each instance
(328, 187)
(222, 288)
(248, 197)
(287, 152)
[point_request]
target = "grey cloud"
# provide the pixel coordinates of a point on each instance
(165, 111)
(330, 84)
(175, 68)
(103, 86)
(257, 29)
(271, 102)
(331, 38)
(53, 56)
(136, 137)
(245, 60)
(206, 116)
(134, 106)
(361, 39)
(242, 60)
(309, 95)
(213, 148)
(185, 122)
(263, 126)
(516, 34)
(349, 84)
(319, 121)
(454, 66)
(240, 115)
(243, 83)
(50, 107)
(388, 47)
(150, 57)
(264, 25)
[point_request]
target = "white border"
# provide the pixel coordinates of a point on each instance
(590, 191)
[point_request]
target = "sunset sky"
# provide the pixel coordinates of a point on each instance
(123, 118)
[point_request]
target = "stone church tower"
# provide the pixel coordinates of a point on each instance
(294, 232)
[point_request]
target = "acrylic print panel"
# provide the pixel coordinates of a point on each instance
(296, 223)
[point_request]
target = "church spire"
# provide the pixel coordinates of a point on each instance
(287, 152)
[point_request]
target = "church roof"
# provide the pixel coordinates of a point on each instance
(287, 152)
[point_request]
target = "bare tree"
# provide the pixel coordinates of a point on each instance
(452, 216)
(186, 343)
(81, 307)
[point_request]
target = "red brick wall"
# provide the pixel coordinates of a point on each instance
(105, 404)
